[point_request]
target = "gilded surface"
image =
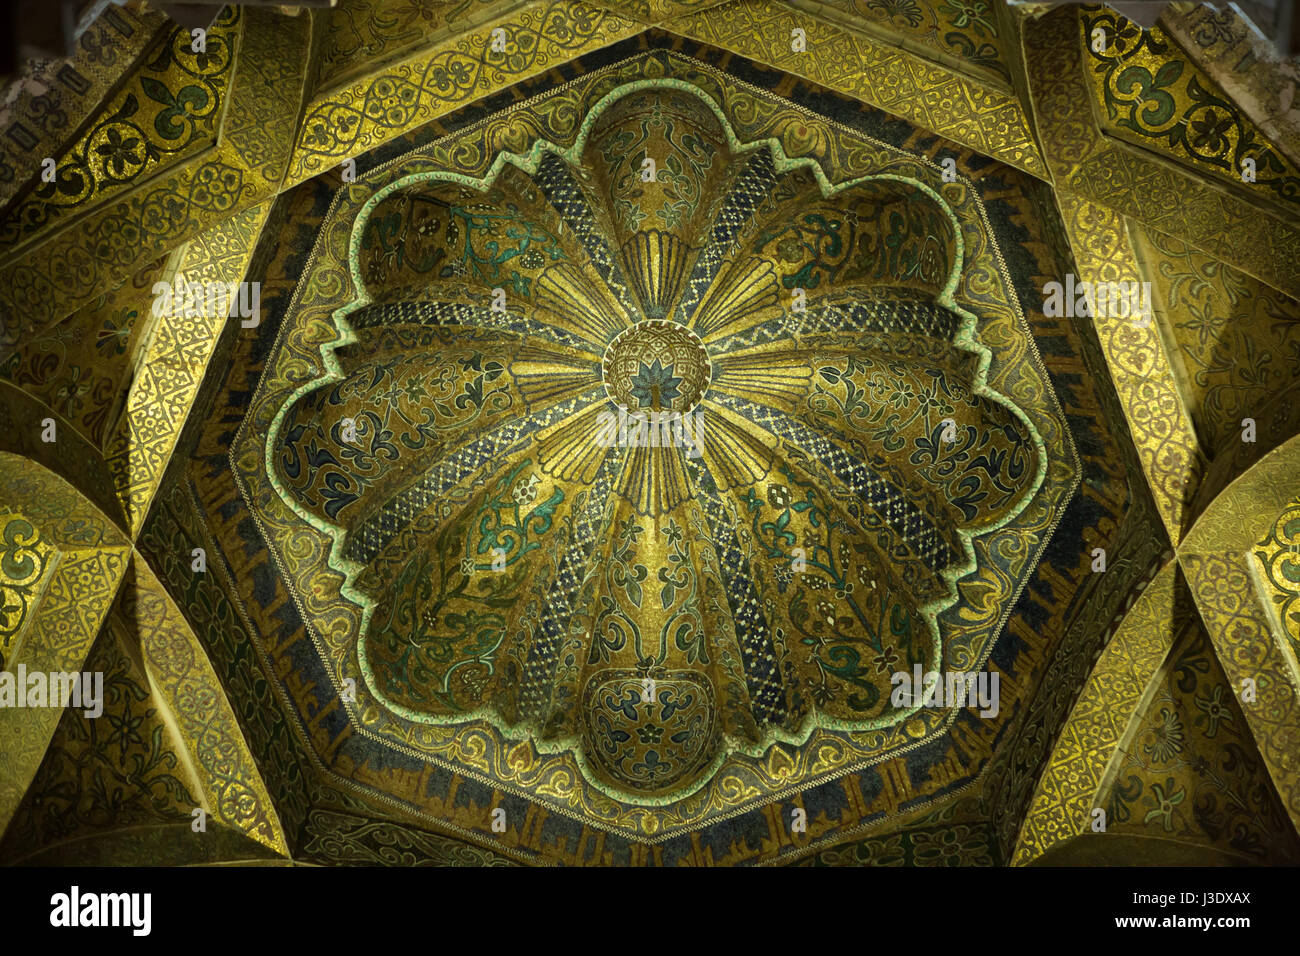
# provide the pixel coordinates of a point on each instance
(1148, 92)
(58, 272)
(1139, 363)
(49, 98)
(120, 770)
(26, 564)
(1217, 559)
(1124, 522)
(370, 111)
(1237, 341)
(183, 682)
(395, 452)
(160, 395)
(877, 73)
(1189, 770)
(1070, 786)
(658, 11)
(219, 623)
(358, 37)
(964, 34)
(167, 113)
(961, 844)
(524, 508)
(363, 842)
(1231, 49)
(80, 367)
(1158, 413)
(1156, 192)
(1277, 573)
(47, 528)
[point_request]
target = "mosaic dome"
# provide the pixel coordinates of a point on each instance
(622, 397)
(657, 603)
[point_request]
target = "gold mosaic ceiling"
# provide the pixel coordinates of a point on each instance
(519, 564)
(395, 541)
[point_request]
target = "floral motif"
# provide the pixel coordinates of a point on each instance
(655, 386)
(1164, 799)
(1167, 736)
(118, 151)
(1213, 712)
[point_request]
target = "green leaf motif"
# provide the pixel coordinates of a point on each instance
(184, 104)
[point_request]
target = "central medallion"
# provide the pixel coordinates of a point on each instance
(656, 365)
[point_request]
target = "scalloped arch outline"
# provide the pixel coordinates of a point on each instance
(965, 340)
